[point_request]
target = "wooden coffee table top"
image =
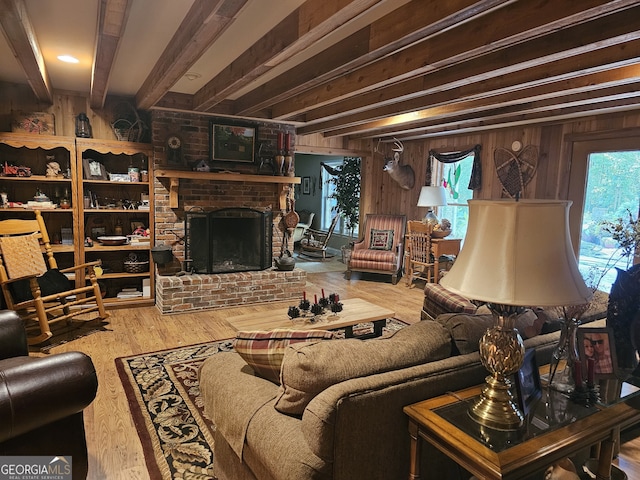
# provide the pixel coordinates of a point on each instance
(355, 310)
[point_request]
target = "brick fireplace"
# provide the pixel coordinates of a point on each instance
(188, 292)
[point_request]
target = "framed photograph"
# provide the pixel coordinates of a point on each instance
(527, 382)
(597, 343)
(232, 141)
(306, 185)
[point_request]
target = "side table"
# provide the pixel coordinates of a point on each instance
(443, 246)
(551, 433)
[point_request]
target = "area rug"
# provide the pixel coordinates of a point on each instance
(164, 399)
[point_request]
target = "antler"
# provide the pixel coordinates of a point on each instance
(398, 145)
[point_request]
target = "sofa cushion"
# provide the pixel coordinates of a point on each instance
(381, 239)
(263, 351)
(308, 369)
(466, 330)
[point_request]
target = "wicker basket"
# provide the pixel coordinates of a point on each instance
(440, 233)
(128, 127)
(133, 265)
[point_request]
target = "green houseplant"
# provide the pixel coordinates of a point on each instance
(346, 179)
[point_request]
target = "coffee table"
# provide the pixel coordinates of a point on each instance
(355, 311)
(558, 428)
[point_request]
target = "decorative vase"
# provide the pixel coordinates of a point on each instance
(565, 357)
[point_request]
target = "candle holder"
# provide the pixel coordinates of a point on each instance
(336, 307)
(304, 305)
(317, 309)
(586, 395)
(293, 312)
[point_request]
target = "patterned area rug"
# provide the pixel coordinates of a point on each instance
(164, 398)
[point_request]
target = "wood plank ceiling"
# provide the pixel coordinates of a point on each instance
(425, 68)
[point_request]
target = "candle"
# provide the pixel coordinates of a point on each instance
(323, 293)
(287, 141)
(590, 369)
(577, 374)
(337, 298)
(304, 295)
(315, 299)
(280, 140)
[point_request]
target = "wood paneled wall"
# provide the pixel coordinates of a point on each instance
(380, 194)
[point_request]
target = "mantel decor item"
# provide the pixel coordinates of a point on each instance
(432, 197)
(516, 254)
(232, 141)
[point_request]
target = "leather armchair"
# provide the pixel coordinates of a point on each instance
(42, 398)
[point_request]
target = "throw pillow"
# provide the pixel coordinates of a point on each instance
(51, 282)
(263, 351)
(308, 369)
(381, 239)
(467, 330)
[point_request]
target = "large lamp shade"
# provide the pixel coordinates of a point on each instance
(518, 253)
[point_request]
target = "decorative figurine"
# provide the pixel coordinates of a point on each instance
(294, 312)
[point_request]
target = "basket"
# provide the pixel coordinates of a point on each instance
(128, 127)
(133, 265)
(440, 233)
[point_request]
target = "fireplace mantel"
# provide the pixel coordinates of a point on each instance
(283, 183)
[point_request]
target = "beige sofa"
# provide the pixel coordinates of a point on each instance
(353, 427)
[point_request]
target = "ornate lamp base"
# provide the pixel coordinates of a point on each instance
(496, 408)
(502, 354)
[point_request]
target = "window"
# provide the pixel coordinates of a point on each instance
(455, 178)
(611, 192)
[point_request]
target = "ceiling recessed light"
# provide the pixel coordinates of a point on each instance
(68, 59)
(192, 75)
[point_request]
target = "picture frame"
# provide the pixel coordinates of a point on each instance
(232, 141)
(527, 382)
(306, 185)
(598, 343)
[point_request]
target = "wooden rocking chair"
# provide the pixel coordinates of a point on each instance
(36, 290)
(418, 260)
(315, 242)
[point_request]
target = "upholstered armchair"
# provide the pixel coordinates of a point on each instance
(380, 249)
(304, 224)
(42, 398)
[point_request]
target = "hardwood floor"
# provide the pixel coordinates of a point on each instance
(114, 449)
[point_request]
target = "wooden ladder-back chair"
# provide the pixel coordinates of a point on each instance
(418, 259)
(34, 287)
(316, 242)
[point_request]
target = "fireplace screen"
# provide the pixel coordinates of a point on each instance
(229, 240)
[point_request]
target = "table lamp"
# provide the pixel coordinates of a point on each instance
(432, 197)
(516, 254)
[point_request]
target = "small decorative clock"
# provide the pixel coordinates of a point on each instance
(174, 150)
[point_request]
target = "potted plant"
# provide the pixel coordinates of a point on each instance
(624, 299)
(346, 179)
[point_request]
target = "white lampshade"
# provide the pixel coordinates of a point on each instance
(432, 196)
(518, 253)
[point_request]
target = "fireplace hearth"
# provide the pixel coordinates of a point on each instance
(228, 240)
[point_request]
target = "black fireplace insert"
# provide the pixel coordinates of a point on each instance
(228, 240)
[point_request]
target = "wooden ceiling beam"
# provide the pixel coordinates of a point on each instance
(468, 83)
(24, 44)
(503, 27)
(409, 23)
(307, 24)
(203, 24)
(606, 85)
(112, 19)
(469, 124)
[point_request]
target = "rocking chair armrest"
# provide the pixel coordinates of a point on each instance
(75, 268)
(9, 281)
(36, 391)
(13, 336)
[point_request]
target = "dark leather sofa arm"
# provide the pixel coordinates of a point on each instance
(35, 391)
(13, 337)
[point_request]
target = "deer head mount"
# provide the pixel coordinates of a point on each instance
(402, 174)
